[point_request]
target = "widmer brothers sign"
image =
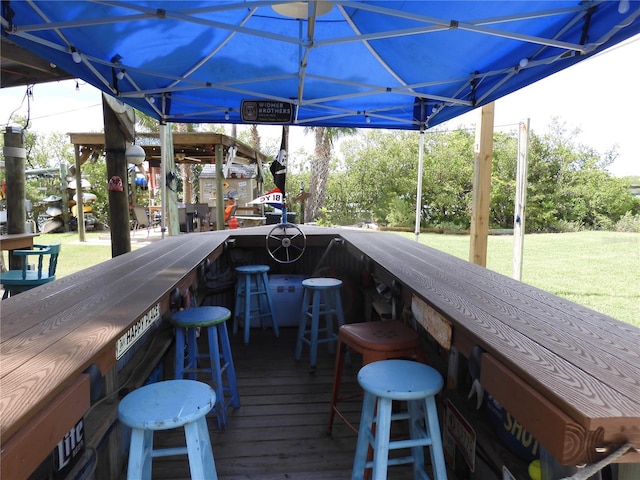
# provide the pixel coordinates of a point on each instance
(264, 111)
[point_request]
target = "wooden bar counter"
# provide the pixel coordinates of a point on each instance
(571, 376)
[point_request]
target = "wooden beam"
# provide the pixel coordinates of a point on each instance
(556, 431)
(115, 147)
(483, 150)
(24, 451)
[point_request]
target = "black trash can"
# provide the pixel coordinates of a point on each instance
(275, 218)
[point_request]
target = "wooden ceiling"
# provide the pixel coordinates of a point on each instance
(19, 67)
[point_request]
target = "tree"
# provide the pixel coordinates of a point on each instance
(324, 139)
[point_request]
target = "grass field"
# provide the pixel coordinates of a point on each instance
(600, 270)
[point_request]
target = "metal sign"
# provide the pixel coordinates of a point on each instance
(264, 111)
(126, 341)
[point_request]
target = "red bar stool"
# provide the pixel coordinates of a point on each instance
(375, 341)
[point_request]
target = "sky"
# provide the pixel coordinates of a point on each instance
(599, 96)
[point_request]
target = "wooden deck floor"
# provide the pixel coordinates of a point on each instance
(279, 432)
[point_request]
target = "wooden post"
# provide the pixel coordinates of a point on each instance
(483, 150)
(115, 146)
(14, 156)
(169, 201)
(79, 195)
(521, 199)
(219, 189)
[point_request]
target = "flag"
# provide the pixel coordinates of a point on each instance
(273, 198)
(278, 167)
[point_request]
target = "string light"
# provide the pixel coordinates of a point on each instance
(75, 55)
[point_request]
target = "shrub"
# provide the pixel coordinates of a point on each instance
(628, 223)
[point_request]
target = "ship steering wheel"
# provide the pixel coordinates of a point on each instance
(286, 243)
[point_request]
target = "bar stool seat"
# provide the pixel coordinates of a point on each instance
(417, 384)
(163, 406)
(379, 340)
(321, 299)
(213, 320)
(253, 299)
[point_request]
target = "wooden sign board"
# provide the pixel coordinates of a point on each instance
(433, 322)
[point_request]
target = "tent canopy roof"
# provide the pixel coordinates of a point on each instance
(380, 64)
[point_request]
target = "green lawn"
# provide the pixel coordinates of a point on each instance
(600, 270)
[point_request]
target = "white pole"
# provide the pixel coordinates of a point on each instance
(419, 189)
(163, 177)
(521, 199)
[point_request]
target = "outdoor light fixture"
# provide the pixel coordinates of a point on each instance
(151, 100)
(134, 154)
(226, 115)
(524, 62)
(75, 55)
(301, 9)
(623, 6)
(120, 74)
(367, 119)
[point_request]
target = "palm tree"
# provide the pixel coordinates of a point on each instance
(324, 139)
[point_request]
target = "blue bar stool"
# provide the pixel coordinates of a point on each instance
(213, 320)
(253, 299)
(321, 299)
(415, 383)
(163, 406)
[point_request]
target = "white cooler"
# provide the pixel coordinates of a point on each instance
(286, 295)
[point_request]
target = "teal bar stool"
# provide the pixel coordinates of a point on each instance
(163, 406)
(321, 299)
(253, 299)
(213, 320)
(417, 384)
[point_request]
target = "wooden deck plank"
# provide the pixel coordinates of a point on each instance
(279, 431)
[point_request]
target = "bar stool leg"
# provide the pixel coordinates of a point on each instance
(216, 375)
(381, 443)
(140, 455)
(201, 462)
(437, 455)
(302, 325)
(416, 431)
(223, 335)
(315, 326)
(180, 353)
(237, 311)
(274, 322)
(362, 445)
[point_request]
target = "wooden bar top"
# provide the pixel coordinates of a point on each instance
(51, 334)
(586, 364)
(16, 241)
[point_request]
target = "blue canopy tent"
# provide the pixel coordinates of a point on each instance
(379, 64)
(368, 64)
